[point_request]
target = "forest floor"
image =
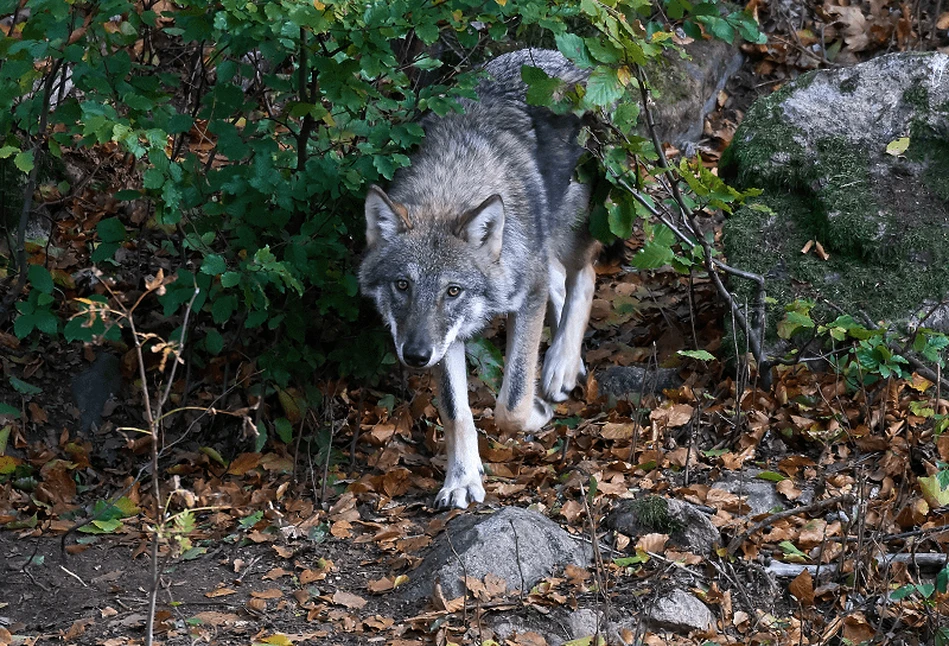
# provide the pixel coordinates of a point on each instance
(310, 543)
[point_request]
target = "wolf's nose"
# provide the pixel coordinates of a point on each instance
(416, 357)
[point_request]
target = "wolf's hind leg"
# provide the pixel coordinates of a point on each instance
(518, 408)
(556, 293)
(563, 363)
(463, 478)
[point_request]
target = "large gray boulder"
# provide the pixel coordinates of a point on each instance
(520, 546)
(821, 149)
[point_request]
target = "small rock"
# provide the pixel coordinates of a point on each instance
(759, 495)
(633, 381)
(583, 622)
(520, 546)
(688, 527)
(680, 612)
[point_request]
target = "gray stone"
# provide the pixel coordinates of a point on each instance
(688, 88)
(93, 387)
(679, 612)
(687, 526)
(818, 148)
(520, 546)
(583, 622)
(634, 381)
(759, 495)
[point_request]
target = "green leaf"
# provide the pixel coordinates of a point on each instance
(23, 387)
(573, 47)
(902, 592)
(487, 361)
(794, 322)
(897, 147)
(603, 88)
(540, 86)
(24, 161)
(111, 230)
(933, 489)
(213, 341)
(213, 265)
(700, 355)
(230, 279)
(942, 580)
(792, 553)
(7, 409)
(7, 151)
(771, 476)
(102, 527)
(284, 430)
(41, 279)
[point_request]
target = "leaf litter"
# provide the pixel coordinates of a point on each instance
(321, 549)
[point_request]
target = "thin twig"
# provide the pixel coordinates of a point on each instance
(796, 511)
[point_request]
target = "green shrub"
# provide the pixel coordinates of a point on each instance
(254, 128)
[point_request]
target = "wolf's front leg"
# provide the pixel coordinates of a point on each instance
(464, 474)
(518, 408)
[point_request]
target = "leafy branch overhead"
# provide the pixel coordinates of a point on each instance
(252, 132)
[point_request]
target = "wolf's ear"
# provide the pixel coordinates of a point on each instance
(385, 219)
(483, 226)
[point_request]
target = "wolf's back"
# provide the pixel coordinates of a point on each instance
(505, 80)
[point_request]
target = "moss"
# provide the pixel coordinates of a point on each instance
(848, 85)
(917, 96)
(652, 514)
(926, 146)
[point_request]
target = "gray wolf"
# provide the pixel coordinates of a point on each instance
(487, 221)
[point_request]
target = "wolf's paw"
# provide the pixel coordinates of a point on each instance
(560, 374)
(460, 494)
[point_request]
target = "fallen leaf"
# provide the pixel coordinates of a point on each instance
(276, 573)
(220, 592)
(802, 587)
(272, 593)
(381, 585)
(347, 599)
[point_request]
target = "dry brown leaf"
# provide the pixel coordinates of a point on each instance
(802, 587)
(381, 585)
(219, 592)
(571, 510)
(673, 416)
(243, 463)
(217, 618)
(942, 22)
(348, 599)
(494, 585)
(855, 26)
(275, 574)
(77, 628)
(857, 630)
(378, 622)
(256, 605)
(612, 431)
(270, 593)
(341, 529)
(654, 543)
(528, 639)
(787, 489)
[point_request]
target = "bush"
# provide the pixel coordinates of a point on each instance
(253, 129)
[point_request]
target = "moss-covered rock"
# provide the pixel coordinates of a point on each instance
(818, 148)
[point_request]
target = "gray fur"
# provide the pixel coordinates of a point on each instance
(475, 228)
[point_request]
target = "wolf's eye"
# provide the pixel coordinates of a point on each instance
(453, 291)
(401, 284)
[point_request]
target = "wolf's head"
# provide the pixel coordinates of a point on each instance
(428, 272)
